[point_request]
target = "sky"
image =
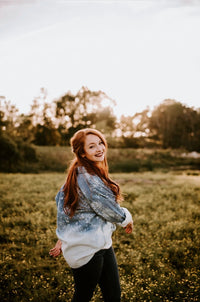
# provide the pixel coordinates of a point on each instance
(137, 52)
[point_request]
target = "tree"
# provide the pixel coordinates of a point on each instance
(25, 128)
(84, 109)
(175, 125)
(9, 116)
(46, 133)
(42, 115)
(134, 129)
(2, 122)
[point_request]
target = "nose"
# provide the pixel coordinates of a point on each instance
(99, 147)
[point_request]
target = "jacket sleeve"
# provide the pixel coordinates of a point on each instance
(102, 200)
(59, 196)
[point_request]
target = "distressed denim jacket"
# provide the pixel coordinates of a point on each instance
(91, 227)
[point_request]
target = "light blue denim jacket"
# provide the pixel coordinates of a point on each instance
(91, 227)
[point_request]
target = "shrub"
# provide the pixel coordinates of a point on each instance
(125, 166)
(15, 155)
(9, 153)
(27, 151)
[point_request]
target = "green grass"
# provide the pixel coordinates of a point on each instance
(159, 261)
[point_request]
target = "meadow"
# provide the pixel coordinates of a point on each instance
(159, 261)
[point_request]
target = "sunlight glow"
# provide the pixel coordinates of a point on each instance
(138, 53)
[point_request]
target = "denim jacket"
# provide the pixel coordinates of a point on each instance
(91, 227)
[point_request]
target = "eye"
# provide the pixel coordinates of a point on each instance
(100, 143)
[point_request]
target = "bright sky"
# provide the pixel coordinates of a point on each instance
(138, 52)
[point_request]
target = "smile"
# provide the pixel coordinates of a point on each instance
(99, 154)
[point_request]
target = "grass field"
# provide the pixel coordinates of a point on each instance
(159, 261)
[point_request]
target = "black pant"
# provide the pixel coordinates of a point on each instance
(101, 269)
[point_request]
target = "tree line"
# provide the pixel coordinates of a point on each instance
(170, 125)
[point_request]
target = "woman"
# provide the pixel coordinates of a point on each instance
(87, 214)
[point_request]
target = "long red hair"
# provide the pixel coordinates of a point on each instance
(70, 187)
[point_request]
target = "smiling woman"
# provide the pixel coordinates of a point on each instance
(88, 212)
(94, 148)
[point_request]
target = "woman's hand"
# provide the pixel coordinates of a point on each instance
(129, 228)
(56, 250)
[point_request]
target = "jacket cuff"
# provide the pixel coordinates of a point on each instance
(128, 218)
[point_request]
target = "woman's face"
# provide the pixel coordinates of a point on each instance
(94, 148)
